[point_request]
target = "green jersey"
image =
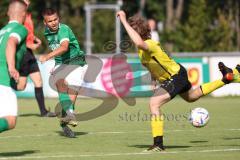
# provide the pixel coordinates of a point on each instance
(12, 29)
(74, 55)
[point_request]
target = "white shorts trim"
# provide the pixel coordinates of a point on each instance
(8, 102)
(75, 77)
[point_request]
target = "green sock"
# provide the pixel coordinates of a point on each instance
(3, 124)
(63, 125)
(236, 75)
(65, 101)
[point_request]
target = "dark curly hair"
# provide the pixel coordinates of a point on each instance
(141, 26)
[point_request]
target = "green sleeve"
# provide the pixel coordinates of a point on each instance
(21, 32)
(64, 34)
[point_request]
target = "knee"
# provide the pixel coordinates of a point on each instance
(62, 85)
(21, 87)
(156, 103)
(38, 83)
(12, 120)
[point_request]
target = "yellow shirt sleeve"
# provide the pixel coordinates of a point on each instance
(152, 46)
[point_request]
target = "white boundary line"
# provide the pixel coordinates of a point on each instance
(119, 154)
(94, 133)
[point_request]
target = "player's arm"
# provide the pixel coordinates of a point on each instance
(137, 40)
(35, 45)
(10, 56)
(59, 51)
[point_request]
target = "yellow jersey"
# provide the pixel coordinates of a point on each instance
(159, 64)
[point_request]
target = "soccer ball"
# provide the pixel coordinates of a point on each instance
(199, 117)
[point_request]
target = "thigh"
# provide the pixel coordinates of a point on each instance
(192, 94)
(178, 83)
(29, 64)
(76, 77)
(32, 62)
(22, 82)
(36, 78)
(8, 99)
(11, 121)
(69, 77)
(25, 66)
(160, 97)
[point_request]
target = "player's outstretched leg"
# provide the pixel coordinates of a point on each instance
(227, 78)
(227, 73)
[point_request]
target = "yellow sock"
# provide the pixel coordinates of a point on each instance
(211, 86)
(236, 76)
(157, 126)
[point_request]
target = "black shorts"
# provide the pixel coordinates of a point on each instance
(29, 64)
(178, 83)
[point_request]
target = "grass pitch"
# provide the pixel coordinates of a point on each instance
(125, 132)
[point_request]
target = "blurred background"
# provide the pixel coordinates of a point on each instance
(182, 25)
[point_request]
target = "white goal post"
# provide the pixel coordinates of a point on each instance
(88, 10)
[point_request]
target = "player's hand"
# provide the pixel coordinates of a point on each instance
(153, 85)
(35, 46)
(121, 14)
(37, 41)
(43, 58)
(14, 74)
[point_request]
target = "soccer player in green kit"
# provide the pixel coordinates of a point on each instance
(65, 48)
(12, 48)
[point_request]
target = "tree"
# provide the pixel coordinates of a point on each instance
(196, 28)
(3, 15)
(237, 20)
(173, 13)
(155, 9)
(190, 25)
(220, 37)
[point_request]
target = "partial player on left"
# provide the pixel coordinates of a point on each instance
(12, 49)
(29, 66)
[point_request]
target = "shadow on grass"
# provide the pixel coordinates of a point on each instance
(29, 115)
(198, 141)
(231, 138)
(76, 133)
(232, 145)
(168, 146)
(15, 154)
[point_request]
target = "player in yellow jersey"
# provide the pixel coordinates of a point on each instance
(172, 76)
